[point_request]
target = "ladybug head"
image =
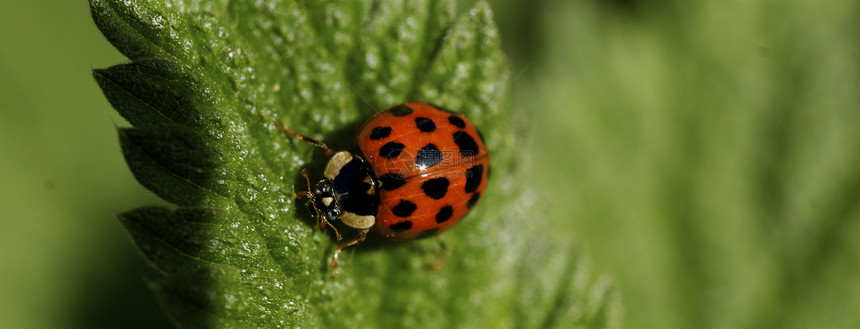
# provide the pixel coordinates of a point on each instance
(322, 202)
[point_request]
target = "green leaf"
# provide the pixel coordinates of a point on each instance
(207, 82)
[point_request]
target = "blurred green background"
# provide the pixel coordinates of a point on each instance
(706, 152)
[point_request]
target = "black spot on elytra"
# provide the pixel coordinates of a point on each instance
(404, 209)
(391, 150)
(457, 122)
(390, 182)
(380, 133)
(427, 233)
(473, 200)
(400, 110)
(428, 156)
(474, 176)
(444, 214)
(424, 124)
(435, 188)
(401, 226)
(466, 143)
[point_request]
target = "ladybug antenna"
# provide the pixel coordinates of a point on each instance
(362, 234)
(308, 140)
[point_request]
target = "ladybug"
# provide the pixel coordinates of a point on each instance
(422, 168)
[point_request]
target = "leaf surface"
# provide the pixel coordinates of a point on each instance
(207, 82)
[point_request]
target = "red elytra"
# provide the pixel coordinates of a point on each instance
(424, 168)
(432, 166)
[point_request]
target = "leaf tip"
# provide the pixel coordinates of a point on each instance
(99, 76)
(482, 10)
(123, 132)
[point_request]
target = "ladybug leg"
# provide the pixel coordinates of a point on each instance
(308, 140)
(305, 194)
(362, 234)
(443, 255)
(323, 223)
